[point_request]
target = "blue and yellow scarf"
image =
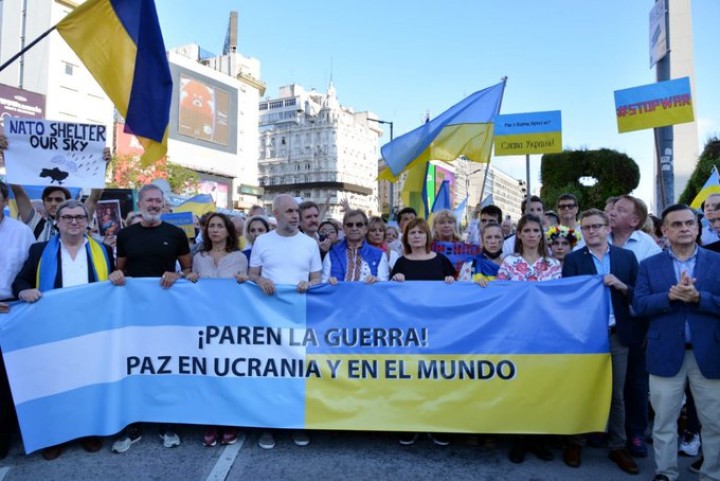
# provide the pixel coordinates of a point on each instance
(48, 265)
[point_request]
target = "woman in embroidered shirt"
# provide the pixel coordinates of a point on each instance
(530, 261)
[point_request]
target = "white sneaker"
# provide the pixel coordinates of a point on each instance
(170, 439)
(300, 438)
(689, 446)
(266, 441)
(124, 443)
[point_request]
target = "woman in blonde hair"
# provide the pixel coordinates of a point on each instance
(447, 241)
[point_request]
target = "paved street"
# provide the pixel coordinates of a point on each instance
(330, 456)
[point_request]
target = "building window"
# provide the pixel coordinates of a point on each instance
(69, 68)
(263, 106)
(289, 102)
(307, 194)
(277, 104)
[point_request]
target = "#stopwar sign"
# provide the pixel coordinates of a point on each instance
(655, 105)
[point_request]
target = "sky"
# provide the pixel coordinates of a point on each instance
(403, 59)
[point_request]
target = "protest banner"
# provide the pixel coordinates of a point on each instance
(49, 152)
(655, 105)
(515, 357)
(528, 133)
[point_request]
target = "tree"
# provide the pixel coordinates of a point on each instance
(710, 157)
(616, 174)
(128, 173)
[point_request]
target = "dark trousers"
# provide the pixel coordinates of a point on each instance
(637, 388)
(8, 417)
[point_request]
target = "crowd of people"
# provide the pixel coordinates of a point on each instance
(663, 328)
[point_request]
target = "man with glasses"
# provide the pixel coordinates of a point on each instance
(567, 209)
(70, 258)
(619, 270)
(679, 292)
(353, 259)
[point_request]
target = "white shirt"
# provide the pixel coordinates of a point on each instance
(74, 271)
(15, 241)
(286, 260)
(641, 244)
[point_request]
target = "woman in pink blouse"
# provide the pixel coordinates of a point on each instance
(530, 261)
(220, 257)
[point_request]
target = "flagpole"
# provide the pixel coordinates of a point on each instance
(487, 166)
(25, 49)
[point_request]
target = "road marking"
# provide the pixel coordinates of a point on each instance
(3, 472)
(225, 461)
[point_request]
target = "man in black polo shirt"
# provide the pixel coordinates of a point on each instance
(150, 248)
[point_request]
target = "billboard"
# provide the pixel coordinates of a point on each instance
(204, 111)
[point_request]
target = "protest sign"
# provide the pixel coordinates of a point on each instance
(49, 152)
(655, 105)
(183, 220)
(528, 133)
(515, 357)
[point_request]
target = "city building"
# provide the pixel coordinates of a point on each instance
(53, 82)
(213, 117)
(313, 148)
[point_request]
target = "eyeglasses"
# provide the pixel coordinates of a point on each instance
(350, 225)
(327, 232)
(70, 218)
(590, 227)
(566, 206)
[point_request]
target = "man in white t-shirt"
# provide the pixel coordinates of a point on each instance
(285, 256)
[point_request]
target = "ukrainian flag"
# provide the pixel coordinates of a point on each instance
(121, 44)
(198, 205)
(464, 129)
(712, 186)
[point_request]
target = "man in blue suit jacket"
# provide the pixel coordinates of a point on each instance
(679, 291)
(619, 269)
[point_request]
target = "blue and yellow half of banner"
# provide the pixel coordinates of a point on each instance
(416, 356)
(655, 105)
(528, 133)
(120, 43)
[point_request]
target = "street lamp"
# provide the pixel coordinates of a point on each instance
(392, 184)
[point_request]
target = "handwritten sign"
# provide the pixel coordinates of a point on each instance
(49, 152)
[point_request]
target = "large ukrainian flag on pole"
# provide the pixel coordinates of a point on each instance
(464, 129)
(121, 44)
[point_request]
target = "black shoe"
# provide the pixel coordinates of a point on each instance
(541, 452)
(697, 465)
(517, 454)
